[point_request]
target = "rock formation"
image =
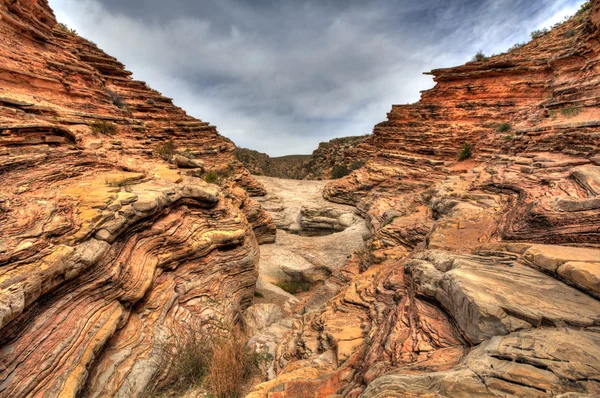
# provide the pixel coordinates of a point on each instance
(341, 152)
(111, 241)
(482, 275)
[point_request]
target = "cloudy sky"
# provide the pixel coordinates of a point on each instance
(280, 76)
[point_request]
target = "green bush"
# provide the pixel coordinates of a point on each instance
(166, 151)
(504, 127)
(211, 177)
(340, 171)
(536, 34)
(480, 56)
(356, 165)
(294, 287)
(516, 47)
(104, 127)
(584, 8)
(570, 111)
(570, 33)
(116, 99)
(466, 152)
(64, 28)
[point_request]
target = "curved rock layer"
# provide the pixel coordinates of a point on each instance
(483, 275)
(106, 249)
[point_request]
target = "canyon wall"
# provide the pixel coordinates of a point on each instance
(320, 165)
(482, 275)
(112, 242)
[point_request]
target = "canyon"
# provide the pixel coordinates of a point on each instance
(460, 256)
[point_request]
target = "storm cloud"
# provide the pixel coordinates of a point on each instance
(282, 76)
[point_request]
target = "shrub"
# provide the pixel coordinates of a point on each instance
(104, 127)
(466, 152)
(504, 127)
(584, 8)
(509, 137)
(211, 177)
(166, 150)
(64, 28)
(480, 56)
(570, 111)
(570, 33)
(189, 354)
(340, 171)
(197, 357)
(516, 47)
(116, 99)
(294, 287)
(258, 294)
(356, 165)
(536, 34)
(150, 101)
(230, 365)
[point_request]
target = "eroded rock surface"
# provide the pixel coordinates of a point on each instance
(106, 248)
(481, 276)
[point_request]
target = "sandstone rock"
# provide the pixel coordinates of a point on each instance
(542, 362)
(260, 316)
(187, 163)
(488, 297)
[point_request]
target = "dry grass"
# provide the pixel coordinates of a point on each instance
(219, 363)
(230, 367)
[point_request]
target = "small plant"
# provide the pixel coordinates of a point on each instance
(258, 294)
(104, 127)
(570, 111)
(536, 34)
(570, 33)
(196, 357)
(356, 165)
(211, 177)
(64, 28)
(116, 99)
(584, 8)
(466, 152)
(294, 287)
(509, 137)
(340, 171)
(504, 127)
(150, 101)
(165, 151)
(516, 47)
(231, 364)
(480, 56)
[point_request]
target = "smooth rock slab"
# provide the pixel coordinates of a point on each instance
(537, 363)
(488, 298)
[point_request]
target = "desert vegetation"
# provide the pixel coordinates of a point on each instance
(466, 152)
(218, 362)
(103, 127)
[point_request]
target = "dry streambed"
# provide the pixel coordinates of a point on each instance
(314, 238)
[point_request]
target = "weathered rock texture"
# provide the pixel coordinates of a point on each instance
(482, 276)
(317, 166)
(106, 250)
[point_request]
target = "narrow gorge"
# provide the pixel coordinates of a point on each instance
(458, 254)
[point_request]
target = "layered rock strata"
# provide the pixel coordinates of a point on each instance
(481, 277)
(107, 249)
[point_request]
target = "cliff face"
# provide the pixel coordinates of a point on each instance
(482, 275)
(341, 152)
(106, 248)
